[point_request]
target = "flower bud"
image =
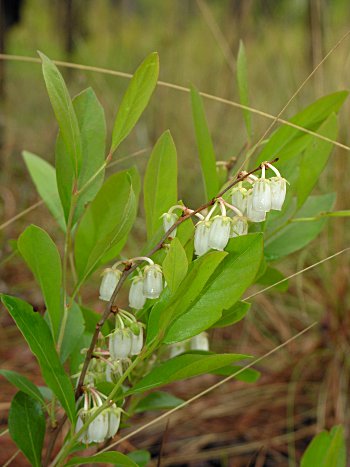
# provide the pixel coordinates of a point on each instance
(201, 238)
(152, 281)
(261, 197)
(137, 340)
(200, 342)
(136, 297)
(169, 219)
(219, 233)
(252, 214)
(239, 198)
(110, 279)
(113, 420)
(239, 226)
(120, 343)
(278, 192)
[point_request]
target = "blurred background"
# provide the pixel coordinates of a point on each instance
(305, 386)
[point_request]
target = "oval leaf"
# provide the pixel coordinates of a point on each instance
(23, 384)
(116, 458)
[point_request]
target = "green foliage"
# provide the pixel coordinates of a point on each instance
(115, 458)
(233, 315)
(158, 400)
(327, 449)
(175, 265)
(38, 336)
(27, 426)
(141, 457)
(160, 185)
(205, 146)
(23, 384)
(73, 331)
(42, 257)
(135, 99)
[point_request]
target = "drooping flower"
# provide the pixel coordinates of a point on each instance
(169, 219)
(239, 196)
(114, 370)
(219, 234)
(97, 430)
(136, 296)
(200, 342)
(113, 413)
(252, 214)
(110, 279)
(239, 226)
(201, 238)
(120, 343)
(152, 281)
(278, 192)
(136, 338)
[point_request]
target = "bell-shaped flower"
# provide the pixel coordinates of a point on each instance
(152, 281)
(201, 238)
(252, 214)
(137, 338)
(83, 415)
(120, 343)
(169, 219)
(114, 370)
(239, 226)
(98, 428)
(278, 192)
(261, 197)
(219, 234)
(177, 349)
(110, 279)
(239, 198)
(136, 296)
(113, 420)
(200, 342)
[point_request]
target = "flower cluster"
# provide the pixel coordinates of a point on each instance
(102, 427)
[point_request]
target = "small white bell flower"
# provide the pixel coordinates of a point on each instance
(200, 342)
(278, 192)
(110, 279)
(114, 370)
(113, 421)
(177, 349)
(239, 198)
(120, 343)
(219, 234)
(252, 214)
(239, 226)
(98, 428)
(201, 238)
(261, 197)
(152, 281)
(136, 296)
(169, 219)
(83, 415)
(137, 338)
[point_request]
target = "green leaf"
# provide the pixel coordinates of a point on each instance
(64, 111)
(326, 450)
(158, 400)
(141, 457)
(310, 118)
(37, 334)
(272, 276)
(183, 367)
(105, 222)
(160, 185)
(175, 265)
(315, 158)
(92, 127)
(27, 426)
(115, 458)
(233, 315)
(169, 307)
(23, 384)
(44, 179)
(220, 292)
(249, 375)
(242, 80)
(41, 255)
(296, 235)
(135, 99)
(205, 146)
(73, 331)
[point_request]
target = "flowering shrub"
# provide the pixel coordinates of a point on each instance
(193, 272)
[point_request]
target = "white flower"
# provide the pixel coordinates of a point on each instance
(278, 192)
(201, 238)
(219, 233)
(136, 339)
(136, 297)
(200, 342)
(261, 197)
(177, 349)
(239, 226)
(97, 430)
(82, 417)
(169, 219)
(114, 370)
(152, 281)
(110, 279)
(239, 198)
(120, 343)
(252, 214)
(113, 420)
